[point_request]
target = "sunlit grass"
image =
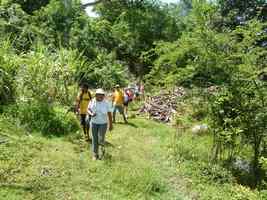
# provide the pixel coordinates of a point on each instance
(35, 167)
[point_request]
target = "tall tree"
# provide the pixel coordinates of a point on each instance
(239, 11)
(140, 23)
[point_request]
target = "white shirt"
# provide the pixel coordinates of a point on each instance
(101, 108)
(126, 98)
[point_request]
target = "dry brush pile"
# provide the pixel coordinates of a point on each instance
(163, 106)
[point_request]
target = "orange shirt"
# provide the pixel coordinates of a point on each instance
(118, 97)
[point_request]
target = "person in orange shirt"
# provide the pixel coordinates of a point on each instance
(82, 102)
(118, 100)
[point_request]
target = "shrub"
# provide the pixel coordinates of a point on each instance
(62, 123)
(44, 118)
(216, 173)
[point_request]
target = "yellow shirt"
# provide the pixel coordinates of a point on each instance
(118, 97)
(84, 102)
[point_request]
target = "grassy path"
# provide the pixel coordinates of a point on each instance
(135, 168)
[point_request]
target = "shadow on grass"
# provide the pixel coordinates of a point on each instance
(21, 187)
(127, 124)
(107, 144)
(107, 158)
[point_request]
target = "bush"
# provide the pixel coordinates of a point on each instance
(62, 123)
(41, 117)
(216, 173)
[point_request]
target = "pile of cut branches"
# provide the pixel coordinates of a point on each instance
(163, 106)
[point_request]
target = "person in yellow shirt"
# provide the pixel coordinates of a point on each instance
(118, 101)
(82, 102)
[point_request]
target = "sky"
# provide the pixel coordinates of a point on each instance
(92, 14)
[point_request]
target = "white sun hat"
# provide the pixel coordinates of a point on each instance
(100, 91)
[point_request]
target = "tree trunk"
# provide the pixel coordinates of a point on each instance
(256, 168)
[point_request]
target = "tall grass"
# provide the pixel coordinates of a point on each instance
(8, 66)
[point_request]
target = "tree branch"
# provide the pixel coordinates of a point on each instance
(92, 3)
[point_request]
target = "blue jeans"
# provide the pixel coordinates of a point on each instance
(119, 108)
(98, 136)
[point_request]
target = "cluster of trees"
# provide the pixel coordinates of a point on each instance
(50, 46)
(124, 30)
(211, 36)
(223, 43)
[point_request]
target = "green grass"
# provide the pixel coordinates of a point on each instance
(135, 168)
(145, 161)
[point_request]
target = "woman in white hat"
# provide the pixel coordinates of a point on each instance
(100, 111)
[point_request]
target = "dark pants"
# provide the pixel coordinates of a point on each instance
(85, 123)
(98, 135)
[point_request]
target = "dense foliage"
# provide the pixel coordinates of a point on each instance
(231, 57)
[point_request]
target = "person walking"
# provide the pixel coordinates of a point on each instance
(118, 100)
(142, 91)
(100, 111)
(136, 91)
(82, 102)
(128, 97)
